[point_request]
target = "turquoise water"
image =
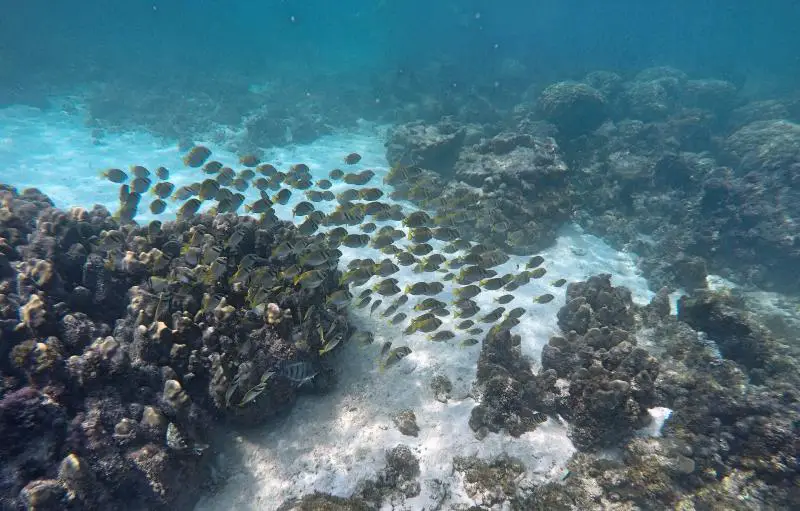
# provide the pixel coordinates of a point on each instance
(205, 41)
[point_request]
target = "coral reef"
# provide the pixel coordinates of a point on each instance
(728, 443)
(736, 417)
(738, 337)
(662, 163)
(433, 147)
(122, 348)
(120, 352)
(653, 94)
(684, 169)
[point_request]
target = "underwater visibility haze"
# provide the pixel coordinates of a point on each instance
(385, 255)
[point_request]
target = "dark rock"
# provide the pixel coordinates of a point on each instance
(44, 495)
(575, 108)
(441, 387)
(406, 423)
(738, 338)
(690, 272)
(434, 147)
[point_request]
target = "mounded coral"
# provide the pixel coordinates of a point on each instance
(608, 83)
(511, 395)
(767, 147)
(434, 147)
(654, 93)
(709, 94)
(575, 108)
(763, 110)
(728, 434)
(612, 381)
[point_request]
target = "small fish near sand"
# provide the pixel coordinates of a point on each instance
(395, 356)
(196, 156)
(114, 175)
(352, 158)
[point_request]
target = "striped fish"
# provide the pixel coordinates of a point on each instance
(298, 373)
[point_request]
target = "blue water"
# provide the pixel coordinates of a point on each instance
(68, 43)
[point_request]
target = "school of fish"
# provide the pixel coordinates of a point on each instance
(402, 238)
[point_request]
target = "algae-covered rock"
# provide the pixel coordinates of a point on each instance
(738, 338)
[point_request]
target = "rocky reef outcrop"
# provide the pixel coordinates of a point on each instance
(121, 347)
(512, 398)
(659, 163)
(509, 191)
(685, 167)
